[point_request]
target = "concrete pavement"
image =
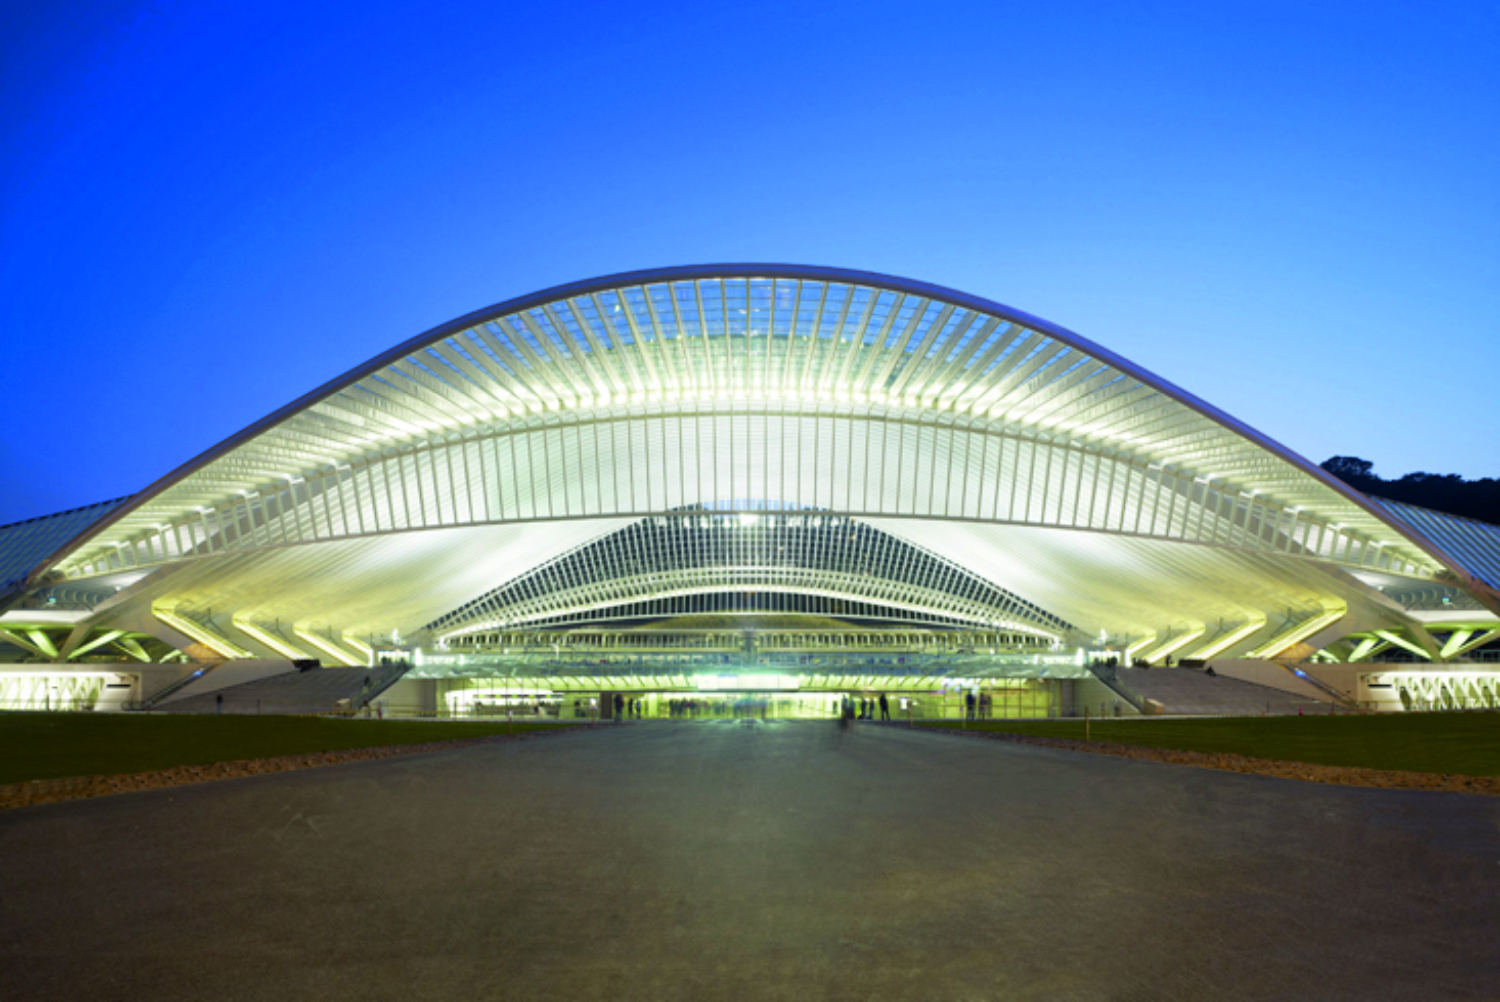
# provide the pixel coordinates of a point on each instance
(753, 860)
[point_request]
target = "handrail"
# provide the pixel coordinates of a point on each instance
(179, 685)
(1109, 676)
(1343, 699)
(393, 674)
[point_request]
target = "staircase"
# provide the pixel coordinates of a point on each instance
(317, 690)
(1191, 691)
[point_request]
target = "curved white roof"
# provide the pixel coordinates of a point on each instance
(1016, 448)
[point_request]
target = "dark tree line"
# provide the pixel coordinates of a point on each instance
(1441, 492)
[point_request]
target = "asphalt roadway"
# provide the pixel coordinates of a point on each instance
(737, 860)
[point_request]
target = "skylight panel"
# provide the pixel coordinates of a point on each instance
(903, 317)
(614, 315)
(919, 331)
(958, 320)
(520, 330)
(539, 317)
(577, 341)
(665, 314)
(711, 295)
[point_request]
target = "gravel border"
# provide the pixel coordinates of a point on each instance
(51, 791)
(1388, 779)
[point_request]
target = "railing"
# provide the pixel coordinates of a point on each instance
(1341, 698)
(1109, 676)
(177, 686)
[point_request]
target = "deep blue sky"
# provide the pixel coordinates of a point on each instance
(1289, 209)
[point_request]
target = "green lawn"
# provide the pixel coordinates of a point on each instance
(1465, 743)
(54, 745)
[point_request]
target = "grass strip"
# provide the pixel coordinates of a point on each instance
(1458, 743)
(60, 745)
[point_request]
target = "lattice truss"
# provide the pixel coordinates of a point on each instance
(865, 397)
(753, 549)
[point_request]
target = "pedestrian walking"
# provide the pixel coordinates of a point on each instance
(885, 707)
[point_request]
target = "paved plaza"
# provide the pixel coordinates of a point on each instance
(752, 860)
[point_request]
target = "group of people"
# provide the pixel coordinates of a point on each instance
(980, 707)
(864, 709)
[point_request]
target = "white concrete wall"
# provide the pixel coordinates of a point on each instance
(1091, 692)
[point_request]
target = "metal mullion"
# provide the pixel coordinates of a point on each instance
(544, 434)
(1203, 511)
(1223, 526)
(1003, 358)
(919, 354)
(1043, 405)
(707, 348)
(975, 379)
(463, 388)
(874, 371)
(370, 418)
(900, 465)
(812, 335)
(519, 362)
(984, 472)
(1109, 384)
(499, 478)
(1288, 535)
(338, 479)
(598, 479)
(640, 352)
(1095, 467)
(1047, 483)
(791, 338)
(667, 350)
(481, 378)
(1077, 484)
(1172, 495)
(536, 369)
(728, 338)
(453, 481)
(1131, 416)
(840, 357)
(1019, 393)
(945, 373)
(396, 399)
(275, 529)
(390, 492)
(296, 513)
(327, 505)
(597, 372)
(836, 335)
(419, 486)
(497, 365)
(684, 341)
(1106, 406)
(437, 399)
(1168, 424)
(312, 434)
(630, 452)
(1031, 479)
(557, 372)
(1109, 494)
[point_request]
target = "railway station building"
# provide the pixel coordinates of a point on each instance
(735, 485)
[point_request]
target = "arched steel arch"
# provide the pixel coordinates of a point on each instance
(917, 408)
(773, 552)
